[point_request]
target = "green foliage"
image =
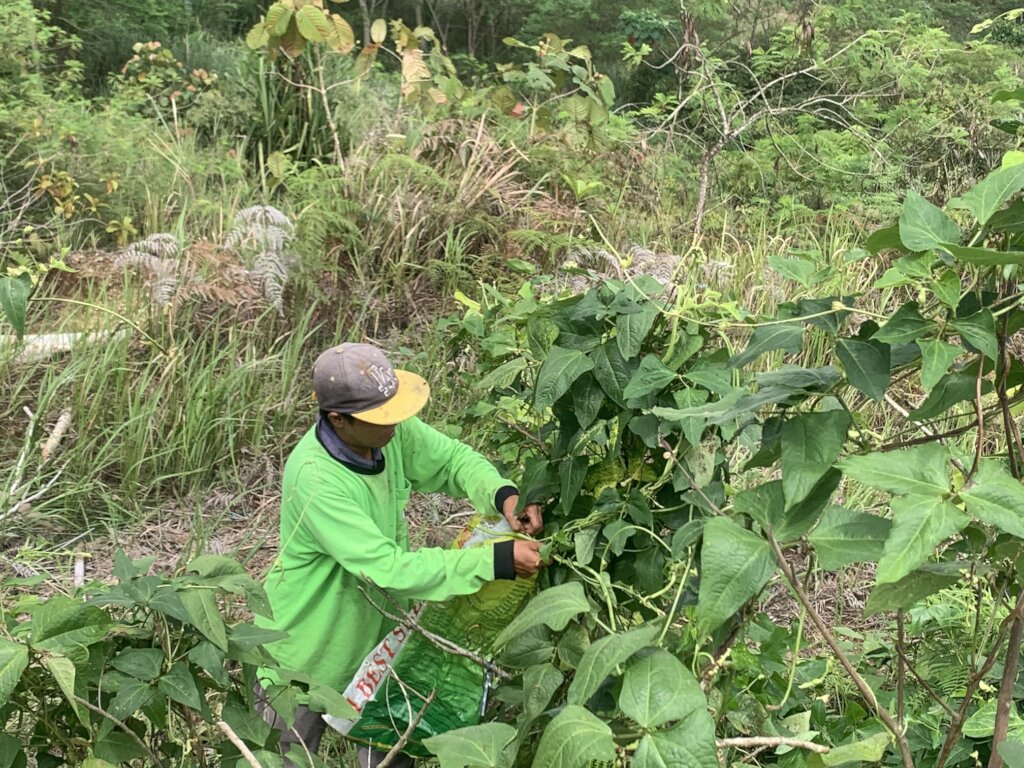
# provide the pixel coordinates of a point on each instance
(638, 410)
(134, 671)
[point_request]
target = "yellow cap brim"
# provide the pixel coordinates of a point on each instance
(413, 393)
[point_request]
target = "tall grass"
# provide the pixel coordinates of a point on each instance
(161, 419)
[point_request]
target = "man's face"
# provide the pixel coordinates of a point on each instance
(361, 436)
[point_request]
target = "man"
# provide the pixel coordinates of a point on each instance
(342, 526)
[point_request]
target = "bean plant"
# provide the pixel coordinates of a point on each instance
(690, 457)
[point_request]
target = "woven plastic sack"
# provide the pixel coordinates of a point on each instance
(471, 622)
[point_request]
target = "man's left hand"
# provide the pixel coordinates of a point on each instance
(529, 520)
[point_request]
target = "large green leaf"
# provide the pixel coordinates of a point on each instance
(988, 195)
(904, 327)
(62, 625)
(811, 442)
(62, 669)
(996, 498)
(869, 750)
(866, 364)
(140, 663)
(131, 697)
(201, 605)
(11, 753)
(13, 661)
(180, 686)
(911, 589)
(936, 357)
(560, 369)
(766, 504)
(983, 257)
(476, 746)
(603, 656)
(573, 739)
(612, 371)
(658, 688)
(953, 388)
(844, 536)
(920, 524)
(980, 330)
(312, 23)
(215, 566)
(946, 288)
(690, 744)
(539, 684)
(650, 377)
(502, 376)
(734, 565)
(633, 328)
(14, 293)
(554, 607)
(1009, 219)
(922, 469)
(767, 338)
(924, 226)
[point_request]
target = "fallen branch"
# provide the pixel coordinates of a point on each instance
(771, 741)
(404, 738)
(134, 736)
(250, 758)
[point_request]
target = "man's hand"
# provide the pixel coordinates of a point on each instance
(530, 521)
(526, 556)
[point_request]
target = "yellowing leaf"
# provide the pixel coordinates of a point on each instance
(312, 24)
(342, 39)
(378, 31)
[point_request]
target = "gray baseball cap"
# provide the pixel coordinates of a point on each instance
(358, 380)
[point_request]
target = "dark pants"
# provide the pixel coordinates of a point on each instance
(308, 729)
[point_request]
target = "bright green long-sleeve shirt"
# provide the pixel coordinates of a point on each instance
(343, 527)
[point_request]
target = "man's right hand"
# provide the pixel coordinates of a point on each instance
(526, 557)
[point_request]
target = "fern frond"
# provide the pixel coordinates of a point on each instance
(160, 245)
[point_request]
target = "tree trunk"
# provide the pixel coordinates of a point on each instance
(1006, 686)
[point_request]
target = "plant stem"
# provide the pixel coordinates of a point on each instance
(772, 741)
(957, 723)
(134, 736)
(826, 633)
(441, 642)
(118, 315)
(250, 758)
